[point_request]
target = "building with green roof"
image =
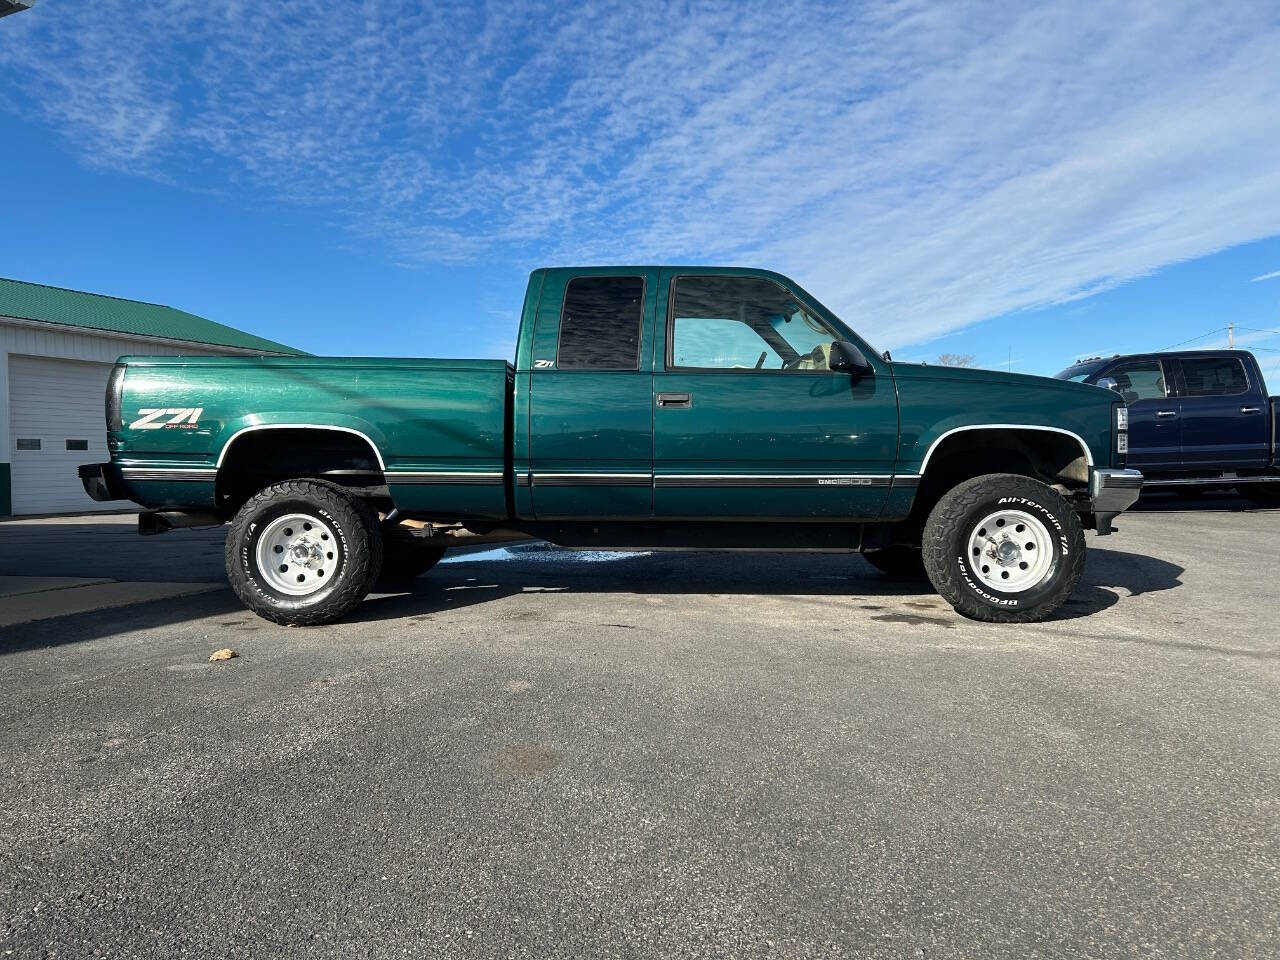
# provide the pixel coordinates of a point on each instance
(56, 350)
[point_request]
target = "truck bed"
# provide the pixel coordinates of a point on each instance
(437, 429)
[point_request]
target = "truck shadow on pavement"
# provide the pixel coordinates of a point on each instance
(98, 624)
(485, 578)
(1109, 571)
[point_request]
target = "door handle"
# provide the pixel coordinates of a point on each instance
(1250, 409)
(680, 400)
(1166, 413)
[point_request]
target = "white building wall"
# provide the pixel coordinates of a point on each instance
(47, 340)
(28, 338)
(75, 343)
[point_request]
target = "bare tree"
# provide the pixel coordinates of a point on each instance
(956, 359)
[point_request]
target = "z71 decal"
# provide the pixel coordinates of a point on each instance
(179, 418)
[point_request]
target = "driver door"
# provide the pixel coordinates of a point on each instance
(749, 421)
(1155, 415)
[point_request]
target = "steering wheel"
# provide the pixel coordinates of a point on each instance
(760, 362)
(815, 358)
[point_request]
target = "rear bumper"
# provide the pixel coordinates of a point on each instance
(1111, 492)
(101, 481)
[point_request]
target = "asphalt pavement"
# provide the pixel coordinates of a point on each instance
(540, 753)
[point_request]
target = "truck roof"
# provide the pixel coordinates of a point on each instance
(687, 270)
(1233, 351)
(606, 268)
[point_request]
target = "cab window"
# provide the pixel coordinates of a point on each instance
(1139, 380)
(1214, 377)
(743, 323)
(600, 324)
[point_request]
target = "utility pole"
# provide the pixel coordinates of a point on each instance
(1231, 336)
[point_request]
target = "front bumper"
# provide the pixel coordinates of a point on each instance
(101, 481)
(1111, 493)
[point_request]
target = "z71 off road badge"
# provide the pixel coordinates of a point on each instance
(179, 418)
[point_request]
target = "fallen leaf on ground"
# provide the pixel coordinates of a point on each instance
(226, 653)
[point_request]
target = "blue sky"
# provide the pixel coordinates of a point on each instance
(379, 177)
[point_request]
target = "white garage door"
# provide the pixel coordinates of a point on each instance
(55, 424)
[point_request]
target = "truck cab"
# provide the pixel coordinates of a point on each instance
(696, 393)
(1196, 418)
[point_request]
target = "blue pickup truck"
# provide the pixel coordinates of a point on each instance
(1197, 419)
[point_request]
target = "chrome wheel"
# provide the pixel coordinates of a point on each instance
(297, 554)
(1011, 551)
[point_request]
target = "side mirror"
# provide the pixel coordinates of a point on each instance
(1108, 383)
(847, 358)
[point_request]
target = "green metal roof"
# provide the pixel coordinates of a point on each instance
(94, 311)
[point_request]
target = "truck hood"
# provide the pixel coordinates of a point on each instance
(935, 401)
(998, 378)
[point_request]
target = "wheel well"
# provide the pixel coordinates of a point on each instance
(259, 458)
(1048, 456)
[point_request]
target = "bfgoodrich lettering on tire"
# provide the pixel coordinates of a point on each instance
(303, 552)
(1004, 548)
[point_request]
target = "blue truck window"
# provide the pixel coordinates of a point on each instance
(1140, 380)
(1214, 377)
(600, 324)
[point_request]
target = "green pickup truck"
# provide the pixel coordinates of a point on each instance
(648, 408)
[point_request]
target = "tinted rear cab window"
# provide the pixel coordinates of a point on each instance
(600, 324)
(1214, 377)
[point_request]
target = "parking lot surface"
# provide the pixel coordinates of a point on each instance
(537, 753)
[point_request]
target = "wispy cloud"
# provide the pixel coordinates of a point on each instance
(1266, 276)
(920, 167)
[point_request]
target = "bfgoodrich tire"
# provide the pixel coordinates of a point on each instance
(303, 552)
(1004, 548)
(406, 556)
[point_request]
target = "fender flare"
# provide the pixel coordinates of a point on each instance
(222, 454)
(1084, 447)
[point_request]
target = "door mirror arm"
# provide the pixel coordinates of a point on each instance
(846, 358)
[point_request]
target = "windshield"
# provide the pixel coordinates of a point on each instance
(1079, 372)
